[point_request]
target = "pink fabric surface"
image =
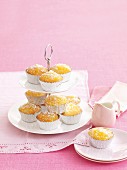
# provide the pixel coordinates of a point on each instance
(34, 143)
(97, 93)
(85, 34)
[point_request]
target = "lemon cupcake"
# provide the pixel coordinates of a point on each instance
(56, 103)
(34, 72)
(29, 112)
(72, 114)
(35, 97)
(50, 81)
(73, 99)
(64, 70)
(100, 137)
(48, 121)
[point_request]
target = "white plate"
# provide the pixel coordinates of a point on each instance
(63, 87)
(108, 155)
(15, 119)
(93, 160)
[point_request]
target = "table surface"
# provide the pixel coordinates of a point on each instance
(85, 34)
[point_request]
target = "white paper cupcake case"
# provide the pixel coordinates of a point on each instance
(49, 125)
(50, 87)
(43, 109)
(70, 120)
(36, 100)
(100, 144)
(32, 79)
(29, 118)
(66, 77)
(58, 109)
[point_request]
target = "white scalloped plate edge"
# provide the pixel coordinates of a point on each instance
(106, 162)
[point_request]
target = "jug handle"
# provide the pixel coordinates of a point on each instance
(118, 108)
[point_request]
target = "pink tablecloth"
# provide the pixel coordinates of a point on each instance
(88, 35)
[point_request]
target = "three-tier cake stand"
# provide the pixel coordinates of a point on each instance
(14, 115)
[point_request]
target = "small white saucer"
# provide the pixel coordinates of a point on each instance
(108, 155)
(93, 160)
(61, 88)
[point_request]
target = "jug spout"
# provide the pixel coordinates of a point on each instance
(95, 105)
(103, 106)
(98, 105)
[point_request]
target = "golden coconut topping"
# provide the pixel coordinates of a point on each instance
(34, 94)
(51, 77)
(37, 70)
(54, 100)
(61, 68)
(72, 109)
(101, 133)
(73, 99)
(29, 108)
(47, 117)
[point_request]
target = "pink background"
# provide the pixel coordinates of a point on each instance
(85, 34)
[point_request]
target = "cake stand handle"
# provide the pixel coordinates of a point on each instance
(48, 58)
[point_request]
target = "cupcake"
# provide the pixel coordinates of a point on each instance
(50, 81)
(35, 97)
(100, 137)
(56, 103)
(64, 70)
(29, 112)
(73, 99)
(48, 121)
(34, 72)
(72, 114)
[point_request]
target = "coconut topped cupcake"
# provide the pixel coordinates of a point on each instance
(100, 133)
(50, 77)
(47, 117)
(48, 121)
(72, 114)
(72, 110)
(61, 68)
(54, 100)
(36, 98)
(73, 99)
(34, 94)
(29, 108)
(36, 69)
